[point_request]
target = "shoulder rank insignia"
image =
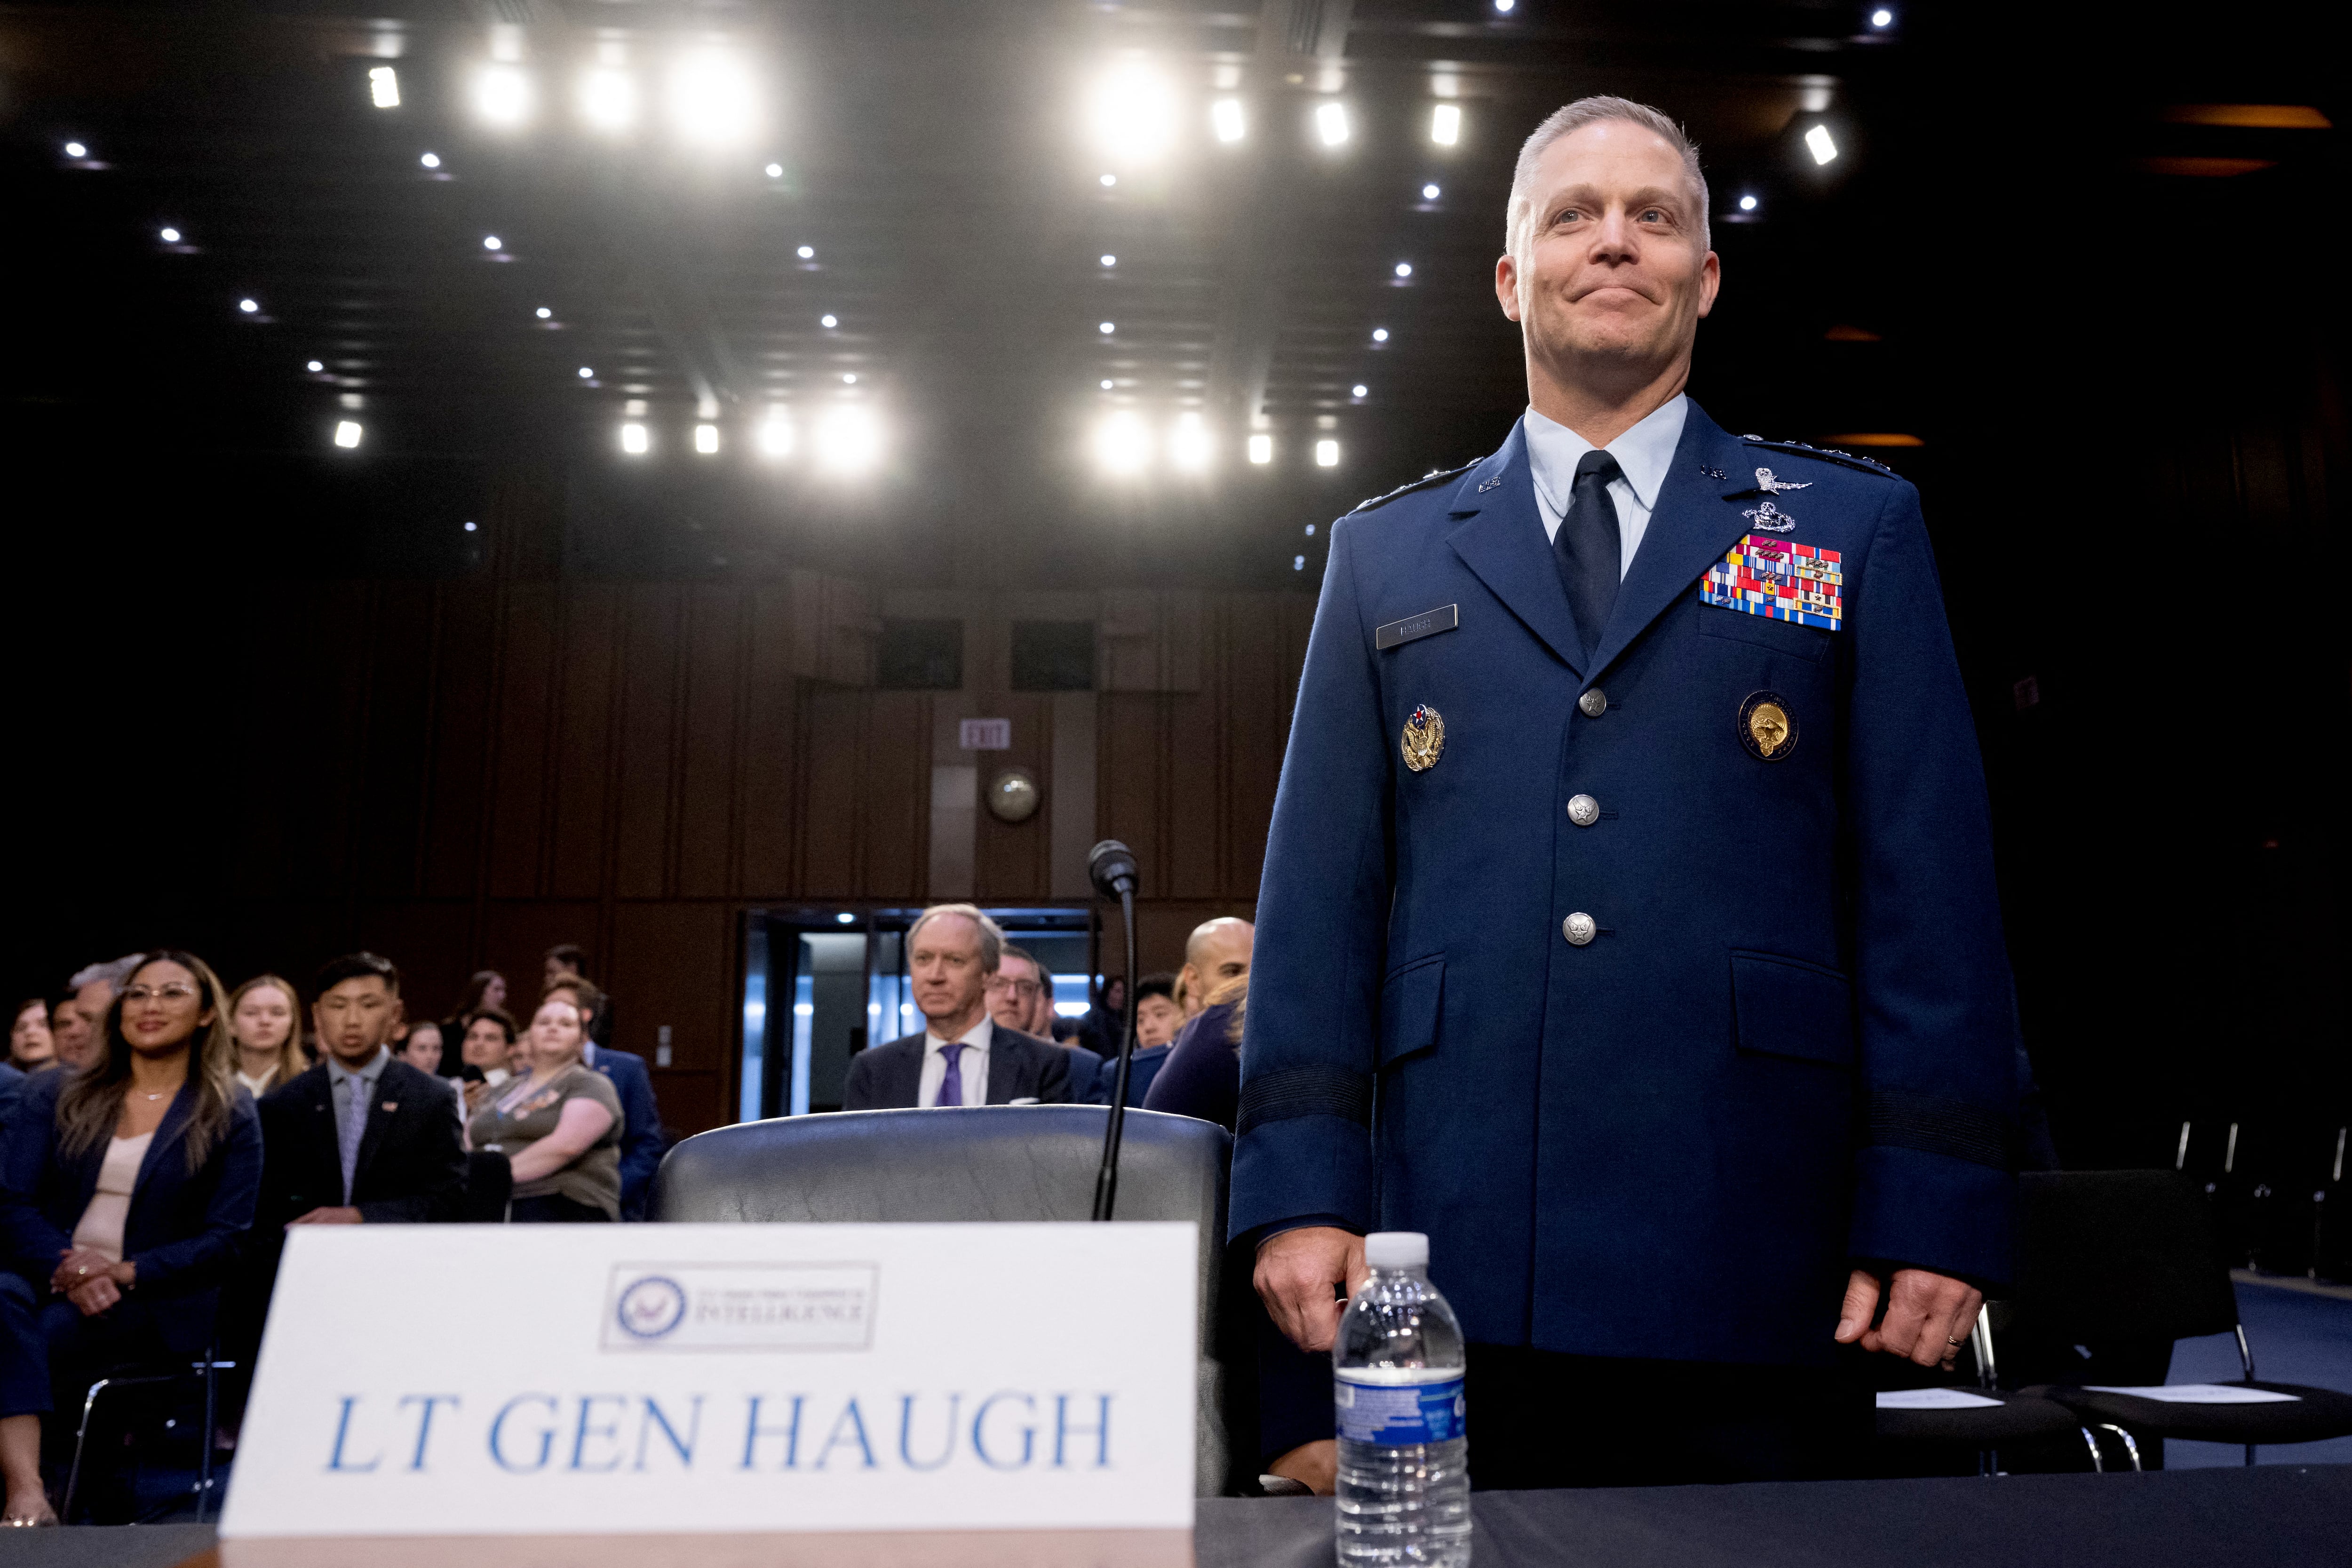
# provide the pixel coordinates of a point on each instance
(1826, 454)
(1434, 477)
(1780, 580)
(1424, 739)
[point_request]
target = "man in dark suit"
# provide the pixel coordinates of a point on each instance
(361, 1138)
(642, 1144)
(963, 1057)
(1628, 922)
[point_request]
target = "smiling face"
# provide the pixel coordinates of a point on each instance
(163, 1007)
(1613, 279)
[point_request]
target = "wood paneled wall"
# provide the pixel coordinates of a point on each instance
(482, 769)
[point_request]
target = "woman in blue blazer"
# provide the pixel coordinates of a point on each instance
(124, 1191)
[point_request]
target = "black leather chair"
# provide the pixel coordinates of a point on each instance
(976, 1162)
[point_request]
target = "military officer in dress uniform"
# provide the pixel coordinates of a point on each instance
(1628, 920)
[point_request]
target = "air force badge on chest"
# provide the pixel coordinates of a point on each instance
(1780, 580)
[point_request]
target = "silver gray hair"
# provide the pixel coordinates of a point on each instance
(1519, 213)
(114, 973)
(992, 937)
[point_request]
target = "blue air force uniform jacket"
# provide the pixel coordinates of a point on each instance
(1656, 1014)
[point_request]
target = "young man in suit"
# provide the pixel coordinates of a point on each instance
(361, 1138)
(963, 1057)
(642, 1145)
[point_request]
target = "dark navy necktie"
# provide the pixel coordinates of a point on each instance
(1586, 546)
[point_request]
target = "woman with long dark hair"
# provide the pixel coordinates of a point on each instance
(124, 1189)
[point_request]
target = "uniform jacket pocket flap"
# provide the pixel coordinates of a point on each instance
(1810, 643)
(1410, 1002)
(1786, 1007)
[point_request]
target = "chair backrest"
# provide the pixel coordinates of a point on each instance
(975, 1163)
(2110, 1254)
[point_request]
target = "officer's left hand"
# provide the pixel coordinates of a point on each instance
(1928, 1315)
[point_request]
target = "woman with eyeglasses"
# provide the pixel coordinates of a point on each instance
(124, 1190)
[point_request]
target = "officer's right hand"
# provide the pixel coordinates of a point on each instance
(1303, 1277)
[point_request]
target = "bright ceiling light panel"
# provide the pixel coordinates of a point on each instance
(1331, 124)
(171, 236)
(775, 437)
(1882, 18)
(1327, 454)
(706, 440)
(806, 253)
(1404, 268)
(713, 100)
(1133, 114)
(492, 242)
(1360, 390)
(1121, 444)
(1189, 444)
(249, 306)
(775, 171)
(1380, 334)
(634, 439)
(1445, 126)
(1747, 204)
(431, 160)
(1225, 119)
(347, 433)
(1109, 260)
(608, 99)
(1817, 142)
(77, 149)
(315, 366)
(849, 439)
(502, 95)
(384, 86)
(543, 314)
(1261, 449)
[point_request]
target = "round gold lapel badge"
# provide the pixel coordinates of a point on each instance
(1767, 726)
(1424, 739)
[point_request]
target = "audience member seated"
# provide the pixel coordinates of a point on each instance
(73, 1034)
(264, 1019)
(420, 1047)
(29, 1045)
(490, 1052)
(963, 1057)
(568, 960)
(1202, 1074)
(1156, 1023)
(362, 1138)
(1101, 1025)
(94, 987)
(126, 1186)
(559, 1128)
(1020, 996)
(641, 1135)
(486, 992)
(1216, 954)
(12, 1085)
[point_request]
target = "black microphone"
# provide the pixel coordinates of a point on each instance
(1111, 865)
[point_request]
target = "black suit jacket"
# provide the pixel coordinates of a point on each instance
(412, 1167)
(1019, 1067)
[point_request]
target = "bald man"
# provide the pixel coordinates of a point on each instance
(1217, 951)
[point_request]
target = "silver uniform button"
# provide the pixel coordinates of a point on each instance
(1594, 702)
(1578, 929)
(1583, 810)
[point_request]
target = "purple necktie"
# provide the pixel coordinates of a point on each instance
(951, 1086)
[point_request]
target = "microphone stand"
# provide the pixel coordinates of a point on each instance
(1107, 1179)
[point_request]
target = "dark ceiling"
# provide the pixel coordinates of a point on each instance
(938, 160)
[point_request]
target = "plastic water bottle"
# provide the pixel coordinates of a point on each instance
(1396, 1389)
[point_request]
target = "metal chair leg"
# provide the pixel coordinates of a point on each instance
(2130, 1447)
(204, 1455)
(2098, 1461)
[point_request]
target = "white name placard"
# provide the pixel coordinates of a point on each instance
(647, 1395)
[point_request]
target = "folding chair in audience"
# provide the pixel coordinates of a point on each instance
(1985, 1417)
(204, 1374)
(2140, 1253)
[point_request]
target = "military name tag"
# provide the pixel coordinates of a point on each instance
(1780, 580)
(1444, 619)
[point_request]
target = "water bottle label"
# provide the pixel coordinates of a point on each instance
(1396, 1415)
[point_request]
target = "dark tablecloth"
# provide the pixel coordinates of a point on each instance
(2282, 1514)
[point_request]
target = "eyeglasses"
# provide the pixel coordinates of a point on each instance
(1022, 988)
(173, 991)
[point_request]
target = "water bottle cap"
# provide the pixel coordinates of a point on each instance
(1397, 1249)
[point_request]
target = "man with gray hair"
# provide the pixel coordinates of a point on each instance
(963, 1057)
(1628, 922)
(93, 987)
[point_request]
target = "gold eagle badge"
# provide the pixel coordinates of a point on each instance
(1424, 739)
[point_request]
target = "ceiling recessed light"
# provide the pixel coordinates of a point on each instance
(1107, 328)
(470, 527)
(828, 322)
(315, 366)
(849, 380)
(544, 314)
(1331, 124)
(1404, 268)
(634, 439)
(1261, 449)
(431, 160)
(76, 150)
(1109, 179)
(1225, 119)
(1819, 144)
(1747, 204)
(384, 86)
(845, 918)
(1882, 18)
(1506, 6)
(586, 373)
(249, 306)
(1380, 334)
(171, 236)
(775, 171)
(1106, 385)
(1110, 261)
(807, 253)
(1298, 563)
(492, 242)
(1327, 454)
(1360, 390)
(502, 95)
(706, 440)
(347, 433)
(1445, 124)
(1430, 193)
